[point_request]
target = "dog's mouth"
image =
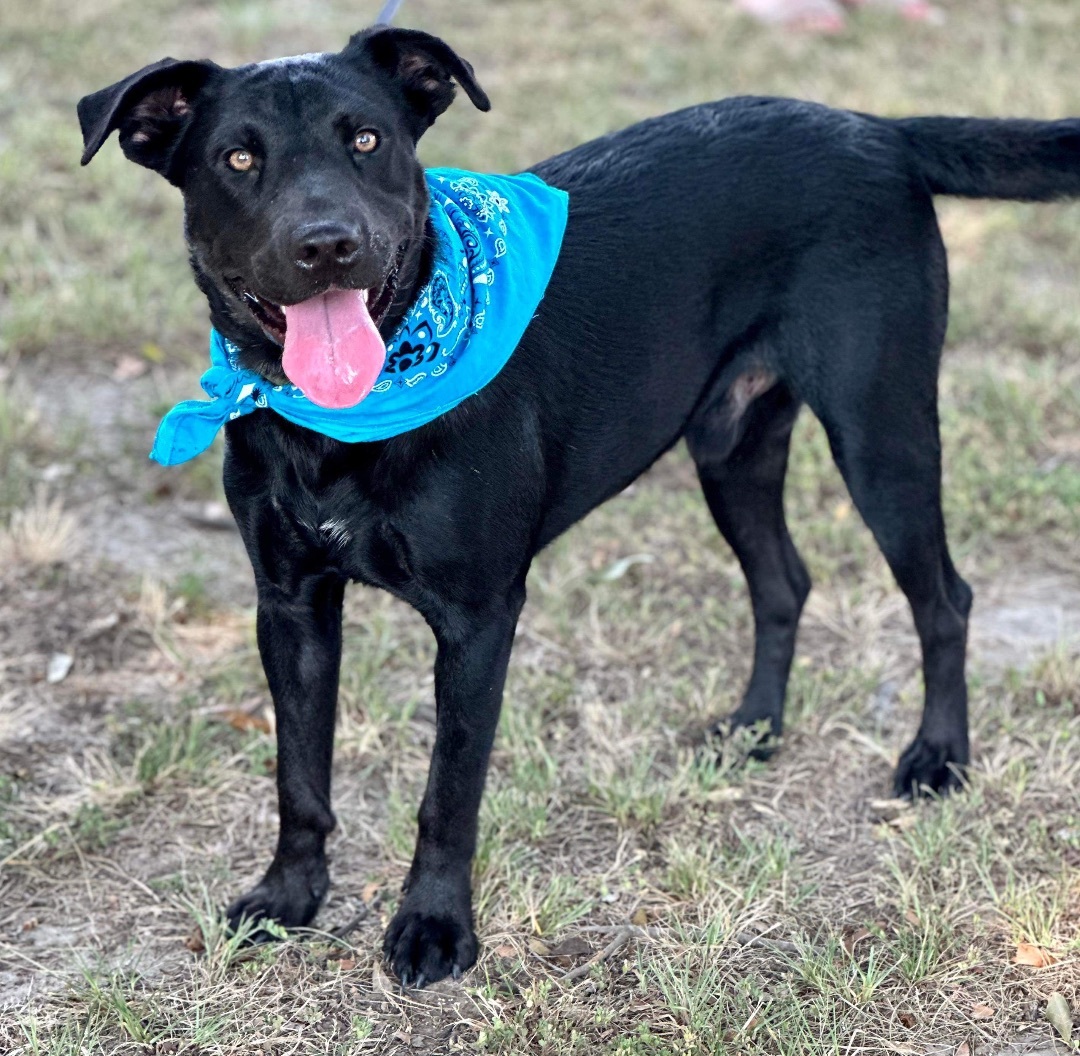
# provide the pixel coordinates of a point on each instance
(331, 346)
(271, 316)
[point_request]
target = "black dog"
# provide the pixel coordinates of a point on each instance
(721, 266)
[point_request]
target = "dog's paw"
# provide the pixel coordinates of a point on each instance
(289, 895)
(927, 768)
(423, 947)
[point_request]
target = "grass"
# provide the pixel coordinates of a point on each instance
(137, 795)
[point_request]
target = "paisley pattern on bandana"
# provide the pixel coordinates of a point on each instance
(498, 241)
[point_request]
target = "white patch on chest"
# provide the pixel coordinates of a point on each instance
(335, 532)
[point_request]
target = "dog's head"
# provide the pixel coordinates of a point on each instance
(305, 204)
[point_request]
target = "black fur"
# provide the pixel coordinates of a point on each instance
(722, 266)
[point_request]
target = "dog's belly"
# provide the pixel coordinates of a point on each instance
(686, 236)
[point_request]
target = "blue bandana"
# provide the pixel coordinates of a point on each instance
(498, 239)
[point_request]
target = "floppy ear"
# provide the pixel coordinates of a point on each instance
(151, 109)
(423, 66)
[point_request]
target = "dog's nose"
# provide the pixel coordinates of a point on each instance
(326, 246)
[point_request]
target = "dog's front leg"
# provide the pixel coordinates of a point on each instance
(431, 935)
(299, 633)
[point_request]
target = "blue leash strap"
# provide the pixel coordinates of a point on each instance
(386, 15)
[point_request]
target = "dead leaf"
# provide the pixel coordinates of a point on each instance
(244, 721)
(851, 940)
(640, 917)
(1059, 1016)
(380, 981)
(888, 809)
(903, 821)
(982, 1012)
(963, 1049)
(195, 941)
(727, 794)
(1033, 956)
(541, 949)
(346, 964)
(506, 950)
(99, 626)
(912, 918)
(370, 892)
(619, 568)
(906, 1019)
(574, 946)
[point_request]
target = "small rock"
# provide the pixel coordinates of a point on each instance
(59, 667)
(129, 367)
(54, 471)
(214, 515)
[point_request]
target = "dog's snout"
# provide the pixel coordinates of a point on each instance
(326, 246)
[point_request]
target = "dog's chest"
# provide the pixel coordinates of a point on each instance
(340, 529)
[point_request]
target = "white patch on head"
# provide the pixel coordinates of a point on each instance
(312, 58)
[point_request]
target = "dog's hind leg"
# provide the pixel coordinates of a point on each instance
(873, 384)
(890, 458)
(741, 465)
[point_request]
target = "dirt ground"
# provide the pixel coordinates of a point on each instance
(634, 894)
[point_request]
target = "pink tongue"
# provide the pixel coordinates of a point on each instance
(332, 349)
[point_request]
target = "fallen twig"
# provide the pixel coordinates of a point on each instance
(345, 930)
(743, 938)
(625, 933)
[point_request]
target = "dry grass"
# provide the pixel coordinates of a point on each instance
(621, 871)
(40, 533)
(126, 830)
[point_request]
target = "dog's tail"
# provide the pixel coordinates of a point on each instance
(1034, 161)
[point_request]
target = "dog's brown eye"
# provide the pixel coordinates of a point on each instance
(365, 142)
(240, 160)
